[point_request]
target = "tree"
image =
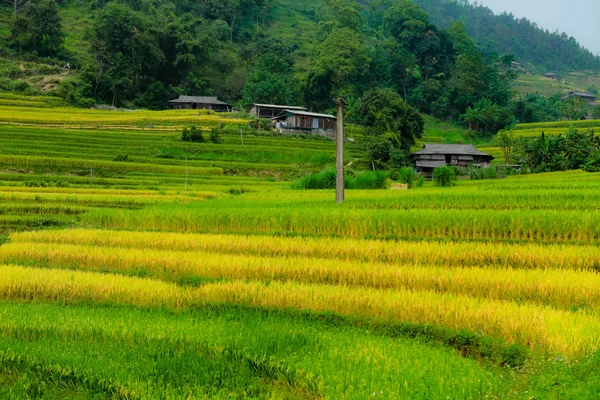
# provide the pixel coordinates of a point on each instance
(17, 4)
(271, 80)
(486, 117)
(341, 14)
(37, 29)
(507, 141)
(444, 176)
(156, 97)
(192, 134)
(535, 108)
(409, 24)
(573, 150)
(384, 113)
(379, 150)
(340, 62)
(574, 108)
(596, 112)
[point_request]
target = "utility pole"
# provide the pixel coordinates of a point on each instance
(339, 186)
(186, 174)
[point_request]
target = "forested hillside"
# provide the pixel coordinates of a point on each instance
(142, 53)
(506, 34)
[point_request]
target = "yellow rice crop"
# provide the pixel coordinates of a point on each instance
(110, 165)
(558, 288)
(569, 333)
(104, 199)
(85, 117)
(426, 253)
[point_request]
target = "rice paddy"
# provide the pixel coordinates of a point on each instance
(196, 271)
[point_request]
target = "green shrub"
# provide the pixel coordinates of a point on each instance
(513, 356)
(215, 135)
(475, 172)
(593, 163)
(122, 158)
(420, 181)
(444, 176)
(370, 180)
(260, 124)
(192, 134)
(326, 179)
(321, 180)
(491, 173)
(407, 176)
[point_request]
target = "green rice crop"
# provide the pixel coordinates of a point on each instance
(225, 354)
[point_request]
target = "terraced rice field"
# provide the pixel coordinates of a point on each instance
(129, 279)
(534, 130)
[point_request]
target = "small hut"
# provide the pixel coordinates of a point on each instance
(551, 75)
(588, 97)
(199, 103)
(440, 155)
(271, 110)
(304, 122)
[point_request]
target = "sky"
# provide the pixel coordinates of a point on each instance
(578, 18)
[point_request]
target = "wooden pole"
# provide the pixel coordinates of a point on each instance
(339, 187)
(186, 174)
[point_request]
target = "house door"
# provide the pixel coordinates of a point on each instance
(315, 123)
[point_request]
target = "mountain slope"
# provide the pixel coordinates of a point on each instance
(297, 22)
(506, 34)
(213, 47)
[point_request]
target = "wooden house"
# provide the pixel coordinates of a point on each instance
(304, 122)
(552, 75)
(271, 110)
(199, 103)
(588, 97)
(518, 67)
(440, 155)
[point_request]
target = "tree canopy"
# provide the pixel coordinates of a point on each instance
(36, 29)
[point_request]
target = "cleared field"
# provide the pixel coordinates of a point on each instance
(136, 266)
(571, 81)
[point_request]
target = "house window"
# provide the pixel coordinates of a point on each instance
(315, 123)
(448, 159)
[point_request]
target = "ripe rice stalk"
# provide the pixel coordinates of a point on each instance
(569, 333)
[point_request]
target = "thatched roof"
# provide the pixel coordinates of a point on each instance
(452, 149)
(199, 100)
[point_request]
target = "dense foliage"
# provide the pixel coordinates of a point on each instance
(444, 176)
(143, 53)
(573, 150)
(507, 34)
(37, 30)
(390, 58)
(326, 179)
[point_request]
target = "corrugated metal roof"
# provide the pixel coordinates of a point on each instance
(579, 94)
(280, 107)
(199, 100)
(452, 149)
(310, 114)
